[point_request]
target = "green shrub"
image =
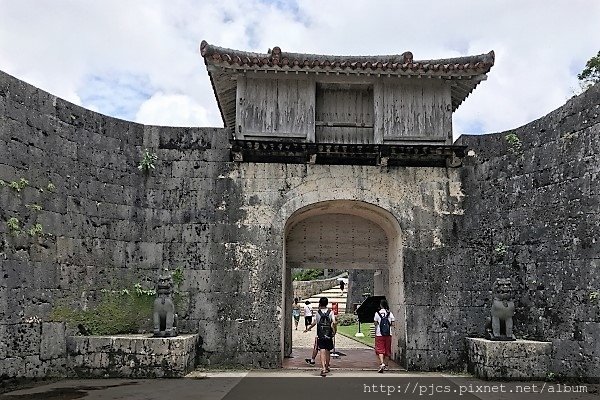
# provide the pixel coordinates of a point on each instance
(346, 319)
(123, 311)
(308, 275)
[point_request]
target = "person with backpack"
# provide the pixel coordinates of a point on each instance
(384, 320)
(326, 330)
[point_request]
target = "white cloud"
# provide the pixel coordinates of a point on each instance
(172, 110)
(59, 46)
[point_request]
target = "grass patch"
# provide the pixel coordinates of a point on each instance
(350, 330)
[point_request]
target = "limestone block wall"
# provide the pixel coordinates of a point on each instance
(131, 356)
(532, 212)
(306, 289)
(106, 226)
(359, 282)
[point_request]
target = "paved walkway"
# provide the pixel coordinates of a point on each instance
(294, 384)
(353, 354)
(306, 340)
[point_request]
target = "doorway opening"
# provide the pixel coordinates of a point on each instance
(350, 236)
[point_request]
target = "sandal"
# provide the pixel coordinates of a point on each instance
(323, 373)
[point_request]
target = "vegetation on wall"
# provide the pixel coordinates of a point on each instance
(147, 161)
(23, 220)
(13, 225)
(514, 143)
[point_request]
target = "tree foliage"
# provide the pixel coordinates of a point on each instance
(591, 73)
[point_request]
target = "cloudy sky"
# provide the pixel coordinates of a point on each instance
(139, 59)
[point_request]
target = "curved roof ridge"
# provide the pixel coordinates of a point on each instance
(276, 57)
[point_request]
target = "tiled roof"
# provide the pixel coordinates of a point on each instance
(463, 74)
(398, 64)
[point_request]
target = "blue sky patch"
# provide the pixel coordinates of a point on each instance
(117, 93)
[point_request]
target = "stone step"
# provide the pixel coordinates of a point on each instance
(315, 303)
(334, 295)
(335, 291)
(330, 298)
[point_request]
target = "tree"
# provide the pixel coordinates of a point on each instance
(591, 73)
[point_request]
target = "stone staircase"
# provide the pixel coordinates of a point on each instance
(334, 295)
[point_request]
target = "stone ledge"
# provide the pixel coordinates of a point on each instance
(520, 359)
(131, 356)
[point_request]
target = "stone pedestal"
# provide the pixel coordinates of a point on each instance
(520, 359)
(131, 356)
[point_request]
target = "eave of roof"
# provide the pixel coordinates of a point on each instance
(402, 63)
(465, 72)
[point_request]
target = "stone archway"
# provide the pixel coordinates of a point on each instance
(346, 234)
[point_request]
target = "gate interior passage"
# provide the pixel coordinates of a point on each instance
(346, 235)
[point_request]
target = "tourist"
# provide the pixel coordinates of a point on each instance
(342, 285)
(326, 329)
(296, 312)
(384, 320)
(307, 314)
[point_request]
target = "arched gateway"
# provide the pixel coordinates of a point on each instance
(347, 234)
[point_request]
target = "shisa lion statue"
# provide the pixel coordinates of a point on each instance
(500, 325)
(165, 319)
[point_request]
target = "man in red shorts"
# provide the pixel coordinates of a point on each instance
(384, 320)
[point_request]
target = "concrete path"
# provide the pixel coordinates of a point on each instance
(353, 354)
(294, 384)
(306, 340)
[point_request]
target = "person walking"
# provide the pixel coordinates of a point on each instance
(342, 284)
(383, 320)
(296, 312)
(308, 314)
(326, 330)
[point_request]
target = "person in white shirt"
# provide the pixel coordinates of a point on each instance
(384, 320)
(307, 314)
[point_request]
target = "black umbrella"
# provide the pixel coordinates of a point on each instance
(366, 311)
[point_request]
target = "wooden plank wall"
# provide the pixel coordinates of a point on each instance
(418, 109)
(283, 108)
(344, 105)
(337, 241)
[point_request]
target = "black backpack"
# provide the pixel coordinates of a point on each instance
(384, 324)
(324, 329)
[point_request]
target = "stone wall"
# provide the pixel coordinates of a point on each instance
(306, 289)
(106, 225)
(517, 360)
(360, 281)
(532, 213)
(131, 356)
